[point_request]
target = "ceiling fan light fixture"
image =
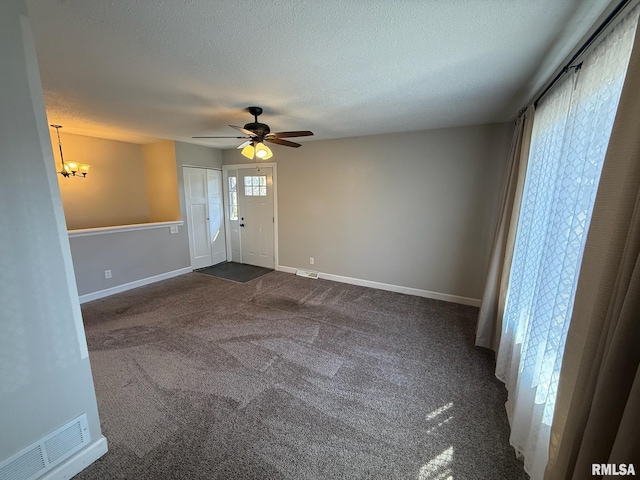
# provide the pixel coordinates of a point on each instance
(248, 151)
(263, 152)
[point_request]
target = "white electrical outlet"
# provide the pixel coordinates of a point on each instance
(311, 260)
(107, 274)
(174, 228)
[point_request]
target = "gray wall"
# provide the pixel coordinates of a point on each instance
(414, 209)
(130, 255)
(188, 155)
(45, 376)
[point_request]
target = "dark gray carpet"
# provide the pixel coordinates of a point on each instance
(238, 272)
(286, 377)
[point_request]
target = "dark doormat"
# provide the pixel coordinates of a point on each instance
(238, 272)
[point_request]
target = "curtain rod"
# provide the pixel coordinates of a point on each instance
(605, 23)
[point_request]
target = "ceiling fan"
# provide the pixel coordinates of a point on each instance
(257, 133)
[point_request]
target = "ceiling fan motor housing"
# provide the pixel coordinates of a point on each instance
(256, 127)
(260, 129)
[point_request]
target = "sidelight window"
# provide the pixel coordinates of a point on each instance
(233, 198)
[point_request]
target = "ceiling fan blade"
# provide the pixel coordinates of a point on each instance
(279, 141)
(219, 137)
(246, 132)
(299, 133)
(244, 144)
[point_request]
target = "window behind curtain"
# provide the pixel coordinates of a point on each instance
(571, 132)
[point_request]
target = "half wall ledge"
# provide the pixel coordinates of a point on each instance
(84, 232)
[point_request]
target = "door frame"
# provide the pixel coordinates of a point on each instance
(225, 189)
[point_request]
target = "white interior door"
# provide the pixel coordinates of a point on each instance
(199, 204)
(255, 211)
(216, 217)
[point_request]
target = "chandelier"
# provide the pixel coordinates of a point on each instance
(68, 169)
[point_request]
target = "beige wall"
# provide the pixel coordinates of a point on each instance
(161, 181)
(127, 183)
(413, 209)
(114, 192)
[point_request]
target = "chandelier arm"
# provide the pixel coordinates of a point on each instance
(57, 127)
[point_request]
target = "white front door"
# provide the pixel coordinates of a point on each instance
(255, 212)
(203, 201)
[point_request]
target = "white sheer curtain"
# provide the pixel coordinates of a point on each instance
(571, 131)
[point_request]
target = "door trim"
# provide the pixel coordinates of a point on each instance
(225, 189)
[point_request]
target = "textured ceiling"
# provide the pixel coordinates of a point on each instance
(140, 70)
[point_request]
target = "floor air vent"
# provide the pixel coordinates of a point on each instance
(43, 455)
(307, 273)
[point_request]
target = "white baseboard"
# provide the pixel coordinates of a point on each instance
(128, 286)
(78, 462)
(282, 268)
(474, 302)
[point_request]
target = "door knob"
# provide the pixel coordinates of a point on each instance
(242, 224)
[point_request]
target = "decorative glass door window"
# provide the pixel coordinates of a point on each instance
(255, 186)
(233, 198)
